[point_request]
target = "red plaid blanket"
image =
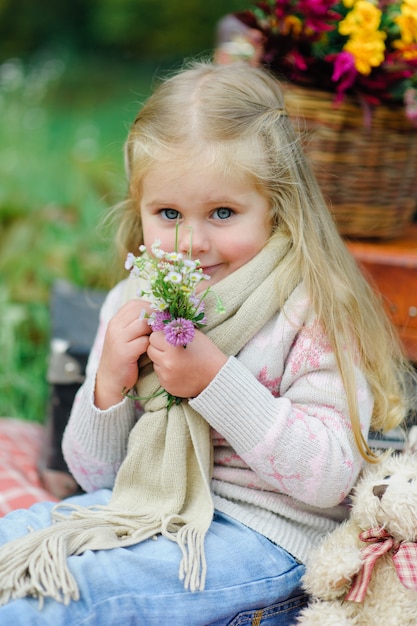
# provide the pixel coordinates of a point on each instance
(20, 447)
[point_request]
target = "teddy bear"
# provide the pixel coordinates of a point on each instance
(365, 572)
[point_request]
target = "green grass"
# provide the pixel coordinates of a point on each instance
(62, 129)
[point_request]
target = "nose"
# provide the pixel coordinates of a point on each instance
(192, 240)
(379, 490)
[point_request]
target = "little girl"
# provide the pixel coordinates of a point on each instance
(205, 513)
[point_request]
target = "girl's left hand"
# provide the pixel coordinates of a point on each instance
(185, 372)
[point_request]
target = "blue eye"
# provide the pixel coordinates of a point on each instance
(222, 213)
(170, 214)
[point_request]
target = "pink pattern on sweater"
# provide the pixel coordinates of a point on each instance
(312, 343)
(273, 384)
(275, 469)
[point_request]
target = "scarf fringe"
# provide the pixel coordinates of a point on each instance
(36, 565)
(193, 566)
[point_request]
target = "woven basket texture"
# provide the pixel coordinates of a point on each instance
(365, 161)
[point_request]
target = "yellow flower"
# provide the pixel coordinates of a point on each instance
(407, 22)
(408, 52)
(364, 18)
(292, 25)
(366, 43)
(367, 52)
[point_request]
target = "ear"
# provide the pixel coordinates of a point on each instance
(411, 442)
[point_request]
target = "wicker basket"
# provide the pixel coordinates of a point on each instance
(367, 172)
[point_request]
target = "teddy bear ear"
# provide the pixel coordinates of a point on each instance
(410, 446)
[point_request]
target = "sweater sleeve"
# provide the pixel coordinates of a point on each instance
(281, 406)
(95, 441)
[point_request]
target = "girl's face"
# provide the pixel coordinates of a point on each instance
(225, 219)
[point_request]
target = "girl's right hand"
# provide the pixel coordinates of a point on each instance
(126, 339)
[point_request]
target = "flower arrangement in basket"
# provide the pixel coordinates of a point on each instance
(366, 47)
(351, 68)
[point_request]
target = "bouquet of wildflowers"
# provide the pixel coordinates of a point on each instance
(364, 47)
(170, 286)
(171, 282)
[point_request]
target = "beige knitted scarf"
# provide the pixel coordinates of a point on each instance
(163, 485)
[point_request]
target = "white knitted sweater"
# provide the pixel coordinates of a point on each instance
(284, 453)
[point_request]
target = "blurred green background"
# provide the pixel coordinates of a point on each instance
(73, 74)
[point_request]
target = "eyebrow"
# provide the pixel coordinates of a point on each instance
(158, 203)
(169, 204)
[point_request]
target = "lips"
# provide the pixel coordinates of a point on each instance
(209, 270)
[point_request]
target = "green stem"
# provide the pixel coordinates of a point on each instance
(155, 395)
(171, 400)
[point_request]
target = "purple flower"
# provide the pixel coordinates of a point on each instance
(179, 332)
(158, 320)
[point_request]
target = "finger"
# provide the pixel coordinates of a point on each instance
(157, 340)
(131, 311)
(128, 324)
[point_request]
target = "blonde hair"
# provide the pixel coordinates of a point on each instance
(234, 118)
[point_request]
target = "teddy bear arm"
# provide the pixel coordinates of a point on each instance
(332, 565)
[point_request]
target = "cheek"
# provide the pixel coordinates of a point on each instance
(252, 240)
(241, 251)
(151, 233)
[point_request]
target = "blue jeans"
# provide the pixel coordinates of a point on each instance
(249, 580)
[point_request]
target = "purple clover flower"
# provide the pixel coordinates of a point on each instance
(159, 319)
(179, 332)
